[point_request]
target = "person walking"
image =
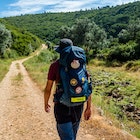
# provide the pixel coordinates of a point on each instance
(67, 118)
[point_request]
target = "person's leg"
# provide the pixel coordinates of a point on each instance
(65, 131)
(75, 128)
(76, 117)
(63, 120)
(68, 119)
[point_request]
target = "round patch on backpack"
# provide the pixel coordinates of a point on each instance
(73, 82)
(78, 90)
(75, 64)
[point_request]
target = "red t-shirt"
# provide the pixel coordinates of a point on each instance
(53, 73)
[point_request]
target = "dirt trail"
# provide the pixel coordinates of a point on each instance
(22, 115)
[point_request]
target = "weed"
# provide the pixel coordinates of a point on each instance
(18, 79)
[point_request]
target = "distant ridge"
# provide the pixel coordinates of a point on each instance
(46, 25)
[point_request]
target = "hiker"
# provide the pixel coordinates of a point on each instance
(67, 117)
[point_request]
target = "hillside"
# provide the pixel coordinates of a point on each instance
(46, 25)
(22, 42)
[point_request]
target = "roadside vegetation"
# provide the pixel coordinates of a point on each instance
(16, 42)
(117, 93)
(4, 67)
(38, 66)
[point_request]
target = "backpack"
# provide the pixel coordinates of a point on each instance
(75, 85)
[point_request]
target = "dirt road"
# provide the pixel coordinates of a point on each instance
(22, 115)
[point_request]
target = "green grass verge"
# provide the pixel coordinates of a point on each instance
(4, 67)
(38, 72)
(117, 93)
(38, 67)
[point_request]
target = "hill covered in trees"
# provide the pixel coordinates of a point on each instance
(47, 25)
(108, 33)
(15, 42)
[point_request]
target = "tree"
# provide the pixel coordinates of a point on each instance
(79, 30)
(64, 32)
(95, 37)
(5, 40)
(87, 34)
(131, 33)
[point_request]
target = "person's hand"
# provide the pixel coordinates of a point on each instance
(87, 114)
(47, 108)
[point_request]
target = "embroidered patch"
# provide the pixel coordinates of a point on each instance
(78, 99)
(73, 82)
(75, 64)
(83, 79)
(78, 90)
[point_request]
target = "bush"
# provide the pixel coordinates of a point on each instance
(5, 40)
(122, 53)
(24, 43)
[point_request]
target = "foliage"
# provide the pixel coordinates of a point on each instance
(96, 30)
(133, 65)
(117, 93)
(4, 67)
(46, 56)
(96, 37)
(5, 40)
(22, 44)
(122, 52)
(38, 66)
(132, 32)
(86, 33)
(86, 28)
(47, 25)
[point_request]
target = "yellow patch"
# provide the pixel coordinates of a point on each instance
(83, 79)
(78, 99)
(73, 82)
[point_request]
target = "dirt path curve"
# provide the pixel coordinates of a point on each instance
(22, 115)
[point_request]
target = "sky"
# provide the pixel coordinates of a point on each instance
(17, 7)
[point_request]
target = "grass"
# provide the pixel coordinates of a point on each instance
(38, 67)
(133, 65)
(37, 71)
(18, 79)
(108, 81)
(4, 67)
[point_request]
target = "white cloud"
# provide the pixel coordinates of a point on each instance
(69, 6)
(23, 3)
(38, 6)
(19, 12)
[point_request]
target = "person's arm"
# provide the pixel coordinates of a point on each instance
(47, 93)
(87, 113)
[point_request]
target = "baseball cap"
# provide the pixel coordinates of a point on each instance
(65, 42)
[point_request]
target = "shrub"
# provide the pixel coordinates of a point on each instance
(122, 53)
